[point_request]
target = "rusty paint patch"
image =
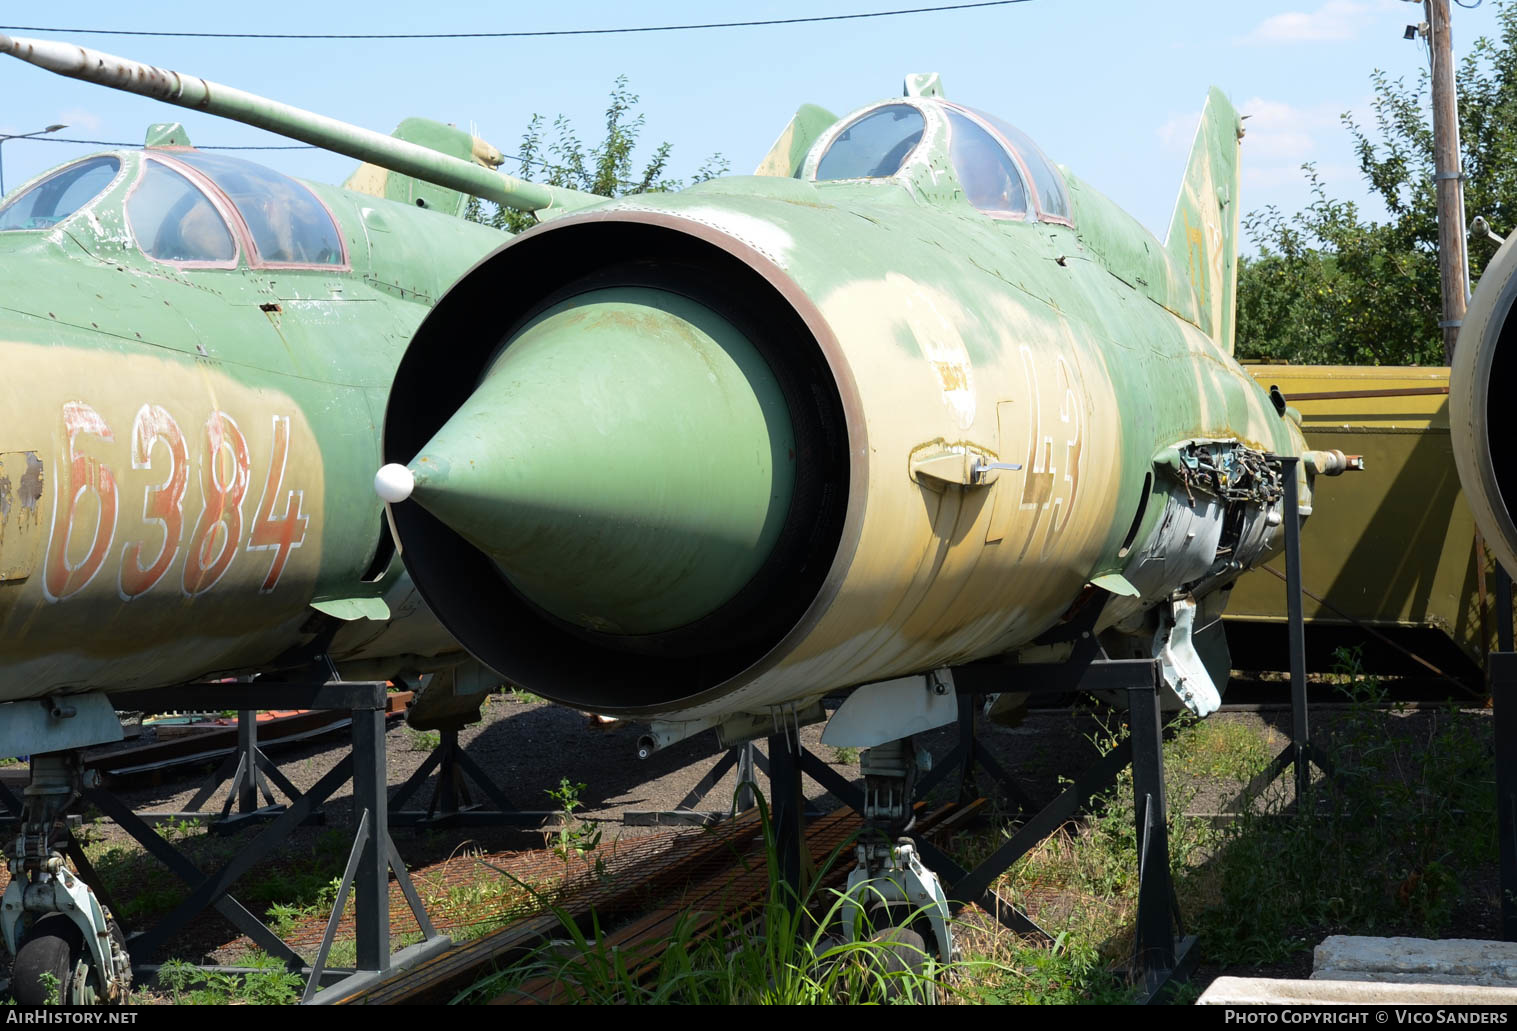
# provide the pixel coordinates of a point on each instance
(30, 488)
(953, 375)
(20, 501)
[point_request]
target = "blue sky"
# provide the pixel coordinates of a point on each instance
(1112, 88)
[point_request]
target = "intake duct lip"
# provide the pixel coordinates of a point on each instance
(696, 663)
(1480, 410)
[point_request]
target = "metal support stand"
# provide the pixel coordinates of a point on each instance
(966, 757)
(1503, 609)
(370, 864)
(1501, 673)
(748, 760)
(1157, 952)
(1163, 954)
(1301, 753)
(250, 772)
(452, 803)
(786, 801)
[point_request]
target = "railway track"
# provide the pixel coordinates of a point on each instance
(702, 880)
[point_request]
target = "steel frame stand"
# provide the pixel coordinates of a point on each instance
(372, 859)
(748, 759)
(1501, 674)
(1163, 954)
(965, 757)
(1503, 609)
(452, 804)
(250, 772)
(745, 757)
(786, 801)
(1301, 753)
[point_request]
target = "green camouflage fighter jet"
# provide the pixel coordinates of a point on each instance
(912, 398)
(198, 352)
(916, 398)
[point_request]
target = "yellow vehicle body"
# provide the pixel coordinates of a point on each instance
(1392, 548)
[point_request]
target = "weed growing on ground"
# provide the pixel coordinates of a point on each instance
(1082, 881)
(284, 917)
(1069, 971)
(785, 955)
(143, 888)
(268, 983)
(492, 899)
(845, 756)
(1379, 848)
(572, 838)
(1214, 749)
(180, 828)
(422, 740)
(1376, 848)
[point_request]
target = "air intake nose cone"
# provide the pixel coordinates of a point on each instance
(627, 461)
(394, 483)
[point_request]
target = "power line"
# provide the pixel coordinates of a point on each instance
(118, 143)
(525, 162)
(517, 35)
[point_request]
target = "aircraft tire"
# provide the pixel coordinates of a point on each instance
(901, 951)
(54, 946)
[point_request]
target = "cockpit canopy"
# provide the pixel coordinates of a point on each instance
(286, 221)
(188, 207)
(1002, 172)
(59, 195)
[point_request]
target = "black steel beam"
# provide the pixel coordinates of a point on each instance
(257, 695)
(1501, 670)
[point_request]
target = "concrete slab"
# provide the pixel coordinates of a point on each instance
(1267, 991)
(1452, 961)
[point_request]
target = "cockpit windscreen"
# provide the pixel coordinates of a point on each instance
(875, 146)
(59, 195)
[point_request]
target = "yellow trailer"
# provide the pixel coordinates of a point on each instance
(1389, 559)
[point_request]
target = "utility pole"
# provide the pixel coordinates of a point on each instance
(1453, 259)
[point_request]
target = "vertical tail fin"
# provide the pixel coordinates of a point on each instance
(445, 139)
(1203, 234)
(789, 151)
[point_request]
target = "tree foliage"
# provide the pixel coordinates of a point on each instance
(607, 169)
(1329, 286)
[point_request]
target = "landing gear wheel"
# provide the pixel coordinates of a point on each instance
(50, 969)
(901, 950)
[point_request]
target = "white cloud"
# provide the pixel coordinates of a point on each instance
(1277, 132)
(1177, 133)
(79, 118)
(1273, 130)
(1335, 20)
